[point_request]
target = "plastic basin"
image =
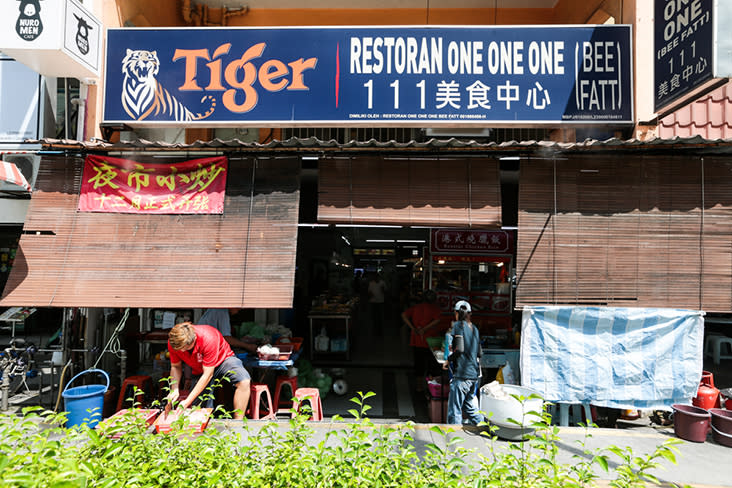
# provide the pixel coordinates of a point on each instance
(499, 410)
(721, 437)
(691, 423)
(721, 420)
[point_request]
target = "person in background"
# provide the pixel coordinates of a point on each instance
(464, 361)
(220, 318)
(377, 297)
(421, 320)
(210, 357)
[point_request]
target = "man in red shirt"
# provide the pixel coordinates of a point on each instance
(205, 350)
(422, 319)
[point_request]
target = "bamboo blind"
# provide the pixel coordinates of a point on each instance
(445, 192)
(642, 231)
(243, 258)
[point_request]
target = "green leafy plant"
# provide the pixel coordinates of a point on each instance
(37, 451)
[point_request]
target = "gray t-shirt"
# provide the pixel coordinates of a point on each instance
(218, 318)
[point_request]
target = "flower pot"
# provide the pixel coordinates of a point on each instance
(691, 423)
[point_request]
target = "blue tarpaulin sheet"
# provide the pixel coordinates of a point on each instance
(628, 358)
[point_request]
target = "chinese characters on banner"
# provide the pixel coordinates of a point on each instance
(124, 186)
(471, 241)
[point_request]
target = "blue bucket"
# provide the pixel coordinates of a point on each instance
(84, 404)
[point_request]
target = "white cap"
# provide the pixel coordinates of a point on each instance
(462, 305)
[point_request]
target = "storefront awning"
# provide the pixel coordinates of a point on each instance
(10, 173)
(436, 192)
(243, 258)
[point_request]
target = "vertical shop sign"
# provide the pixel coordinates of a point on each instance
(683, 47)
(122, 186)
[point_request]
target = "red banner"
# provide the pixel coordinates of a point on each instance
(123, 186)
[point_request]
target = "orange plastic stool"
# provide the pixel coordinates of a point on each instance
(284, 381)
(260, 392)
(142, 382)
(311, 395)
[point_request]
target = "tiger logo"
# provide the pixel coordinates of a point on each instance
(142, 95)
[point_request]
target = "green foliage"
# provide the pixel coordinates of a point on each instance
(36, 451)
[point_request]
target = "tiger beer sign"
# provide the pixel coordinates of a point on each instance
(122, 186)
(386, 76)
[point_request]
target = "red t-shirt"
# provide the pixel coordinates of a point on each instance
(421, 315)
(210, 349)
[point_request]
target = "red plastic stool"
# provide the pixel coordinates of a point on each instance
(284, 381)
(311, 395)
(142, 382)
(258, 393)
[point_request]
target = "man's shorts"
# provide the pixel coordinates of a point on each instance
(233, 369)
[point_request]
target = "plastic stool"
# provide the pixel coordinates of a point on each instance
(260, 391)
(311, 395)
(284, 381)
(576, 417)
(142, 382)
(713, 347)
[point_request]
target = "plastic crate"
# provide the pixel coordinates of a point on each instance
(295, 342)
(121, 419)
(438, 390)
(198, 419)
(284, 354)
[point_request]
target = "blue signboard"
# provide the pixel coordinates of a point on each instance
(683, 45)
(344, 76)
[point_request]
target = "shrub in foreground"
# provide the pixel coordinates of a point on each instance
(35, 451)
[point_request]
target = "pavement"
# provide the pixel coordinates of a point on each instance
(700, 465)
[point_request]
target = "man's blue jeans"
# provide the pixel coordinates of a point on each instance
(462, 397)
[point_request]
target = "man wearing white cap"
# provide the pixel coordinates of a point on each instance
(464, 361)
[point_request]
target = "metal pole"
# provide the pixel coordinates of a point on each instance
(5, 388)
(66, 108)
(122, 366)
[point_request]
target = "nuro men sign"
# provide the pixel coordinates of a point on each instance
(346, 76)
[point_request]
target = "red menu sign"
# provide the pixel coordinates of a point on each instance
(471, 241)
(117, 185)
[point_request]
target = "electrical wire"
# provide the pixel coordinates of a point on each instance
(113, 344)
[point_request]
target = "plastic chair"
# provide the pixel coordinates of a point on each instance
(576, 417)
(311, 395)
(260, 392)
(281, 382)
(142, 382)
(713, 347)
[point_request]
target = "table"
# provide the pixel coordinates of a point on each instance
(252, 361)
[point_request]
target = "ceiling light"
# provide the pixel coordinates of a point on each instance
(310, 158)
(415, 241)
(370, 226)
(440, 261)
(380, 240)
